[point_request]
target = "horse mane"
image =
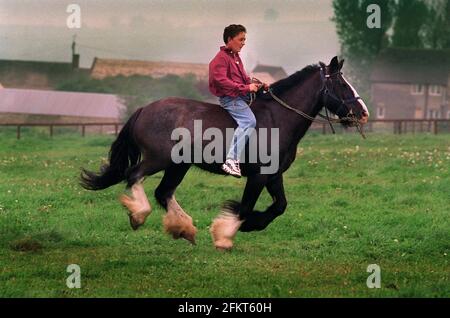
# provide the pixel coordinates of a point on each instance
(285, 84)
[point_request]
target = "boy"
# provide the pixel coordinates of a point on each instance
(229, 81)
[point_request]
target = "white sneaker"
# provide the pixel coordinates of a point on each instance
(232, 168)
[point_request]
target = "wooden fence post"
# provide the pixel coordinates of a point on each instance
(18, 131)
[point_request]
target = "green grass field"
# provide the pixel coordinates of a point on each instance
(352, 202)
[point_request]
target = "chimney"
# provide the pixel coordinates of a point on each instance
(75, 61)
(75, 57)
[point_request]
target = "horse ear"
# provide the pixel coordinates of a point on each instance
(334, 64)
(341, 63)
(334, 61)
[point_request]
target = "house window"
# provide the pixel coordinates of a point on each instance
(448, 114)
(435, 90)
(417, 89)
(380, 112)
(432, 114)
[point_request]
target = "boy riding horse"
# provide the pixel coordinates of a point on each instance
(229, 81)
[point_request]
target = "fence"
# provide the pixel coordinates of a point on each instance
(52, 125)
(396, 126)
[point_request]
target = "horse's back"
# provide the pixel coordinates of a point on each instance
(182, 104)
(181, 112)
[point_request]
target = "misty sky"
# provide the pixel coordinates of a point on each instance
(289, 33)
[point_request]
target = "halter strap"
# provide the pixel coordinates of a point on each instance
(326, 93)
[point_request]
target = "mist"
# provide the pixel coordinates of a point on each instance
(290, 34)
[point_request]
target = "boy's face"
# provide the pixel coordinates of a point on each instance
(237, 43)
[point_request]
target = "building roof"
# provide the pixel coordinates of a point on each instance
(27, 101)
(402, 65)
(277, 72)
(102, 68)
(35, 74)
(263, 77)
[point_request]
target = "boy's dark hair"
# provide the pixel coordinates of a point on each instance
(232, 30)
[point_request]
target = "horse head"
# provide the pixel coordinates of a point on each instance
(339, 96)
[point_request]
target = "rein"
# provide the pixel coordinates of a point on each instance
(326, 118)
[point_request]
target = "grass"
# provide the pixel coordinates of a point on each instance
(352, 202)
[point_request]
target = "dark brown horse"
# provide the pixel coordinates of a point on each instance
(144, 147)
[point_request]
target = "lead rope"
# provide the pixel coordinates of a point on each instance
(328, 119)
(306, 115)
(360, 129)
(253, 94)
(252, 98)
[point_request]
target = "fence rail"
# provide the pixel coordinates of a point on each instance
(399, 126)
(116, 126)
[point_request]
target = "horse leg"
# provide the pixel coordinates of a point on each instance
(259, 221)
(137, 204)
(176, 221)
(226, 225)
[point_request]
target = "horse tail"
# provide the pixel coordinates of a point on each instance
(124, 154)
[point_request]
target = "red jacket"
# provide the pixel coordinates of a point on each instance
(227, 76)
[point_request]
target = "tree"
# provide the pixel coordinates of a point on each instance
(356, 38)
(404, 23)
(359, 43)
(410, 24)
(436, 32)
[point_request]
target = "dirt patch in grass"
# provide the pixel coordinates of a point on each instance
(26, 244)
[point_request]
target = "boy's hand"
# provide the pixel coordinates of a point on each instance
(261, 84)
(254, 87)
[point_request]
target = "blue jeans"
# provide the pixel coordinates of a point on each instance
(238, 108)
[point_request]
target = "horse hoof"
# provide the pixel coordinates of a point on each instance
(223, 230)
(138, 219)
(180, 227)
(188, 236)
(224, 245)
(137, 211)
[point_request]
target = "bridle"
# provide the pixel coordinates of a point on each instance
(327, 94)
